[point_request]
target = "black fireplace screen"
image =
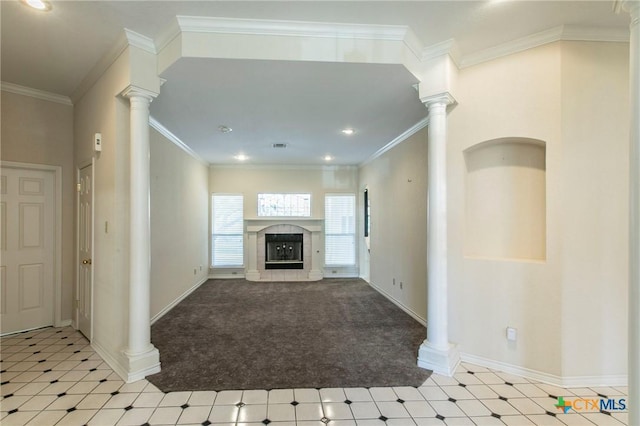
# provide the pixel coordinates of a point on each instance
(283, 251)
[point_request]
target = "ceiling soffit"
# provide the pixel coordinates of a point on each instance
(223, 38)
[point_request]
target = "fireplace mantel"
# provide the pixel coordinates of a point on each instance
(313, 226)
(260, 223)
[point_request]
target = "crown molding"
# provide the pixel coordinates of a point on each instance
(35, 93)
(125, 39)
(447, 47)
(560, 33)
(140, 41)
(258, 27)
(398, 140)
(176, 140)
(275, 166)
(576, 33)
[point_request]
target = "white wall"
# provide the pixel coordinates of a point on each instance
(252, 180)
(179, 223)
(38, 131)
(569, 309)
(397, 183)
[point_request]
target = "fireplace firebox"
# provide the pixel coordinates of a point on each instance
(283, 251)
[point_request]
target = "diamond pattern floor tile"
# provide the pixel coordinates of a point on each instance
(52, 376)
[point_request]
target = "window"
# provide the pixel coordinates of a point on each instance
(340, 229)
(227, 237)
(284, 205)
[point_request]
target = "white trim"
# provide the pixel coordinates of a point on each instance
(57, 257)
(141, 374)
(115, 365)
(101, 67)
(175, 140)
(179, 299)
(76, 319)
(11, 333)
(261, 27)
(140, 41)
(552, 379)
(562, 32)
(125, 39)
(121, 369)
(284, 166)
(226, 276)
(400, 305)
(398, 140)
(65, 323)
(447, 47)
(35, 93)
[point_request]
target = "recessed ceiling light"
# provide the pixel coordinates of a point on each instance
(328, 158)
(224, 129)
(348, 131)
(241, 157)
(42, 5)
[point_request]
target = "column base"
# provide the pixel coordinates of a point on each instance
(142, 364)
(252, 275)
(440, 361)
(315, 275)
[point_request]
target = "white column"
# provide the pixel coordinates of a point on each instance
(436, 353)
(634, 215)
(143, 357)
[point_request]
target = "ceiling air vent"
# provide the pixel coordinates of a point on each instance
(279, 145)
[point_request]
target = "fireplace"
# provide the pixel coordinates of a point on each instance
(283, 251)
(311, 249)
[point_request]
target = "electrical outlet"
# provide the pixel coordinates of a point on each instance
(512, 334)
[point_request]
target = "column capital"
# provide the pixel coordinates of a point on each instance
(445, 98)
(138, 92)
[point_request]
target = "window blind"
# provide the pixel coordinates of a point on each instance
(227, 248)
(340, 229)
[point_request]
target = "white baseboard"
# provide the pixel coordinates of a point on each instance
(540, 376)
(399, 304)
(179, 299)
(64, 323)
(225, 276)
(112, 361)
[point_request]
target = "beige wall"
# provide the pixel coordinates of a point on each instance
(595, 191)
(102, 110)
(397, 183)
(41, 132)
(251, 180)
(569, 309)
(179, 223)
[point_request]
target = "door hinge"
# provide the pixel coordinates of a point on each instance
(78, 187)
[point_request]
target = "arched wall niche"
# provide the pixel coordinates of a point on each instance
(505, 199)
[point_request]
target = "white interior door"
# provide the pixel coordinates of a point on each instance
(85, 252)
(27, 230)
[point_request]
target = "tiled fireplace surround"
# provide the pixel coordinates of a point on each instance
(311, 247)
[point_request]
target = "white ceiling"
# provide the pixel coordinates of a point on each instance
(302, 104)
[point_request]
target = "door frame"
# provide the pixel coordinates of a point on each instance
(57, 238)
(79, 167)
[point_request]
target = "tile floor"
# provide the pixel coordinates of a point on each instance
(53, 377)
